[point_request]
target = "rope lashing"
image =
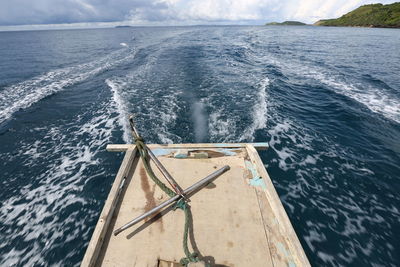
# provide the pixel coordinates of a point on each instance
(141, 146)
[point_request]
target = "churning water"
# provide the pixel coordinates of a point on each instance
(326, 99)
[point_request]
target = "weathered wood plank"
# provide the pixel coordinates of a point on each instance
(96, 241)
(227, 226)
(269, 203)
(279, 249)
(124, 147)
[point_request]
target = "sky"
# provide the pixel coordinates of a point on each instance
(102, 13)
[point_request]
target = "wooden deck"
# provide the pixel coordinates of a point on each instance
(238, 220)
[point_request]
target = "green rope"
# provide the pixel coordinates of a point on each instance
(180, 204)
(144, 155)
(190, 257)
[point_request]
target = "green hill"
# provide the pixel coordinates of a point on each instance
(374, 15)
(292, 23)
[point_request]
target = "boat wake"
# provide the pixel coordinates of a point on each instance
(377, 100)
(27, 93)
(51, 209)
(121, 107)
(259, 113)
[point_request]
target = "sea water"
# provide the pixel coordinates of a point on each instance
(326, 99)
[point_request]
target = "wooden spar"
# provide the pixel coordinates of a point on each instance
(198, 185)
(124, 147)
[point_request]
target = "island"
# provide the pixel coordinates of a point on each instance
(373, 15)
(123, 26)
(288, 22)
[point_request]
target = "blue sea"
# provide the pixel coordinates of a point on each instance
(327, 100)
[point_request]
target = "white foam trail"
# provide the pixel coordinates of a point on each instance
(221, 128)
(163, 113)
(259, 114)
(121, 106)
(160, 111)
(286, 155)
(24, 94)
(56, 189)
(373, 98)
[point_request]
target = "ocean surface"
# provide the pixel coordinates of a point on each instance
(326, 99)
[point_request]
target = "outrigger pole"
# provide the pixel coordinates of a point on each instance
(200, 184)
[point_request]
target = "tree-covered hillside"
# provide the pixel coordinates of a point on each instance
(288, 22)
(374, 15)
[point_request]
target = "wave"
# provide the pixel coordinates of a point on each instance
(379, 100)
(27, 93)
(121, 106)
(221, 126)
(54, 197)
(158, 109)
(259, 113)
(226, 120)
(375, 99)
(311, 168)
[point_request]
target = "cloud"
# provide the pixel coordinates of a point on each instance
(261, 10)
(18, 12)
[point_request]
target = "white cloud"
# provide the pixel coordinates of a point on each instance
(218, 10)
(232, 11)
